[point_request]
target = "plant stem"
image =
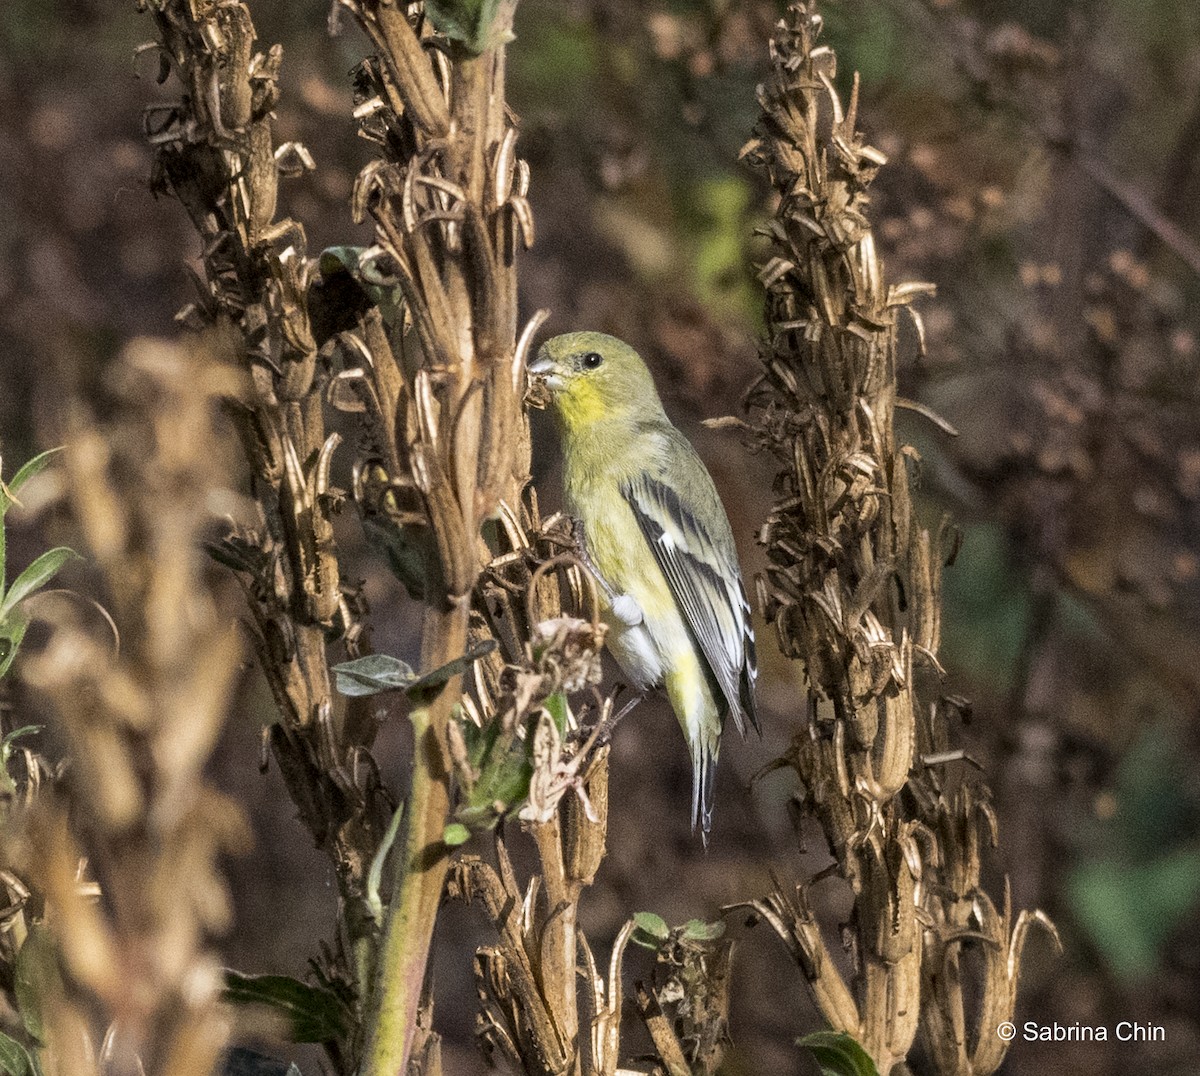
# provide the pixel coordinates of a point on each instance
(559, 978)
(412, 913)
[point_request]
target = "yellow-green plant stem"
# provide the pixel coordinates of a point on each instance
(412, 913)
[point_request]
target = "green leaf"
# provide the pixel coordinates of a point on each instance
(455, 834)
(504, 773)
(410, 553)
(313, 1014)
(348, 260)
(500, 787)
(12, 632)
(431, 683)
(469, 22)
(838, 1054)
(8, 496)
(24, 730)
(476, 818)
(34, 467)
(480, 741)
(650, 930)
(1137, 880)
(506, 784)
(14, 1058)
(9, 490)
(6, 751)
(340, 259)
(35, 977)
(699, 930)
(36, 576)
(375, 874)
(559, 710)
(372, 674)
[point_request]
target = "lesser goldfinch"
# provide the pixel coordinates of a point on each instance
(659, 540)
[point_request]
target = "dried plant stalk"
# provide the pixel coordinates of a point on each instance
(853, 590)
(215, 153)
(447, 195)
(433, 367)
(139, 974)
(448, 478)
(529, 982)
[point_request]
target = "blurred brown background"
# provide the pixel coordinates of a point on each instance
(1045, 174)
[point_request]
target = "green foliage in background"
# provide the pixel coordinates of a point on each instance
(683, 212)
(13, 619)
(1145, 883)
(719, 212)
(470, 23)
(988, 602)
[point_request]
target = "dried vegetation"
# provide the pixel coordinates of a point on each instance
(853, 590)
(116, 893)
(413, 347)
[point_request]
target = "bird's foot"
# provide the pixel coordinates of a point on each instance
(605, 733)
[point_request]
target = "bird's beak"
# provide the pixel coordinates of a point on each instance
(542, 369)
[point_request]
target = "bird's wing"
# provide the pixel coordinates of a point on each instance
(700, 564)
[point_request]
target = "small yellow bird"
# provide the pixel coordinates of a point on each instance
(658, 540)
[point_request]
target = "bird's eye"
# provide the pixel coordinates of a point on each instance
(591, 360)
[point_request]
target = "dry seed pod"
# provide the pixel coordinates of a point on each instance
(853, 588)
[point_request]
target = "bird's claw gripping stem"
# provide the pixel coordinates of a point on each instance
(610, 726)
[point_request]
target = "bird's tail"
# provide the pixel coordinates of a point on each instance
(704, 783)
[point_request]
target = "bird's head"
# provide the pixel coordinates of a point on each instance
(591, 378)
